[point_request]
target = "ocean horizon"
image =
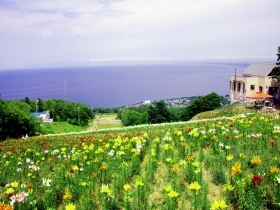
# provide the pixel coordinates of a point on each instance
(117, 85)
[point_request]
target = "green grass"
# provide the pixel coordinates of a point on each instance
(106, 121)
(227, 112)
(109, 126)
(108, 116)
(60, 127)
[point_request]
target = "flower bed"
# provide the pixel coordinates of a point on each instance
(226, 163)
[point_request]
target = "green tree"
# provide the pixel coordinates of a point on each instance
(191, 110)
(65, 111)
(158, 113)
(201, 104)
(16, 120)
(50, 105)
(130, 117)
(40, 105)
(175, 114)
(101, 110)
(26, 100)
(22, 106)
(210, 102)
(275, 73)
(3, 120)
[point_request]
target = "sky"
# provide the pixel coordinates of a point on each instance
(51, 33)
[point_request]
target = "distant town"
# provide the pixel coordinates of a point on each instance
(174, 102)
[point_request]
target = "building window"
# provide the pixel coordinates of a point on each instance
(230, 85)
(260, 89)
(234, 85)
(239, 87)
(252, 87)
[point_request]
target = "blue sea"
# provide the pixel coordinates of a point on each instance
(119, 85)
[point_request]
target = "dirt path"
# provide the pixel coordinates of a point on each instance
(104, 121)
(94, 125)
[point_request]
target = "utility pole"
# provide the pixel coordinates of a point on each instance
(79, 115)
(37, 108)
(65, 90)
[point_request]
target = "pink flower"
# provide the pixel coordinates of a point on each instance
(18, 198)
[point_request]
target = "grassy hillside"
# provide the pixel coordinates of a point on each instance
(227, 112)
(225, 163)
(59, 127)
(105, 121)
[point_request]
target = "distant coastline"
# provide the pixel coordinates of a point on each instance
(117, 86)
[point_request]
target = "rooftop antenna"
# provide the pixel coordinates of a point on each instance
(79, 115)
(235, 85)
(37, 108)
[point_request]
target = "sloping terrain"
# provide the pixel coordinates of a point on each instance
(105, 121)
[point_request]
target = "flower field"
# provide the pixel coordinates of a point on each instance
(225, 163)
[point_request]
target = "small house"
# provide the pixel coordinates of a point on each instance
(256, 78)
(44, 116)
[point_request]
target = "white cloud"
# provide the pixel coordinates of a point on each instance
(117, 29)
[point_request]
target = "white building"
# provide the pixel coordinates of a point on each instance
(44, 116)
(256, 78)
